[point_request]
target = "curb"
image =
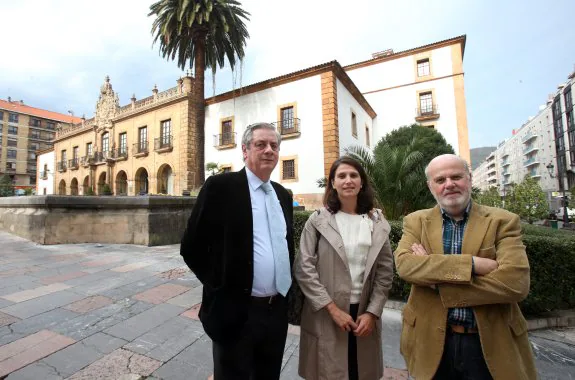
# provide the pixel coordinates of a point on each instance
(555, 319)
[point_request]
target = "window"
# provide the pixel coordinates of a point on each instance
(105, 142)
(1, 115)
(426, 103)
(50, 125)
(287, 120)
(227, 132)
(367, 142)
(123, 143)
(13, 117)
(12, 142)
(32, 156)
(35, 123)
(568, 99)
(34, 134)
(288, 171)
(89, 149)
(12, 130)
(353, 125)
(166, 132)
(11, 166)
(75, 151)
(423, 68)
(32, 180)
(63, 155)
(143, 138)
(11, 153)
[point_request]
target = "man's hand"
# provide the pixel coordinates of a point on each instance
(418, 250)
(484, 265)
(365, 325)
(341, 318)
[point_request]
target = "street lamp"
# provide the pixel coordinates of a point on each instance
(550, 168)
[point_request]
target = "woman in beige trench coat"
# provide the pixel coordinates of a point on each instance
(345, 270)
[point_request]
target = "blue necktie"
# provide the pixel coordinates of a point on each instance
(277, 227)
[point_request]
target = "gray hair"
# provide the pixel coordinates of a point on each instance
(249, 132)
(453, 156)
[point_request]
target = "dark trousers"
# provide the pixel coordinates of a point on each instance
(257, 353)
(352, 346)
(462, 358)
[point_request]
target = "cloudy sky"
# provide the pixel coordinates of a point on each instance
(56, 53)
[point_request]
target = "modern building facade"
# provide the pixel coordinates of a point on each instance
(23, 131)
(45, 174)
(543, 148)
(149, 145)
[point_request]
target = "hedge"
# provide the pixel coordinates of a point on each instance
(551, 256)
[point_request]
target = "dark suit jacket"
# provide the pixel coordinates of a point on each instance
(218, 248)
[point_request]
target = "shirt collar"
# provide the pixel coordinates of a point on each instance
(253, 180)
(445, 215)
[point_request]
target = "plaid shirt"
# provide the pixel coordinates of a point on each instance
(452, 241)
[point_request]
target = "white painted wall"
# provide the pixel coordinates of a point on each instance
(262, 106)
(346, 104)
(396, 107)
(48, 159)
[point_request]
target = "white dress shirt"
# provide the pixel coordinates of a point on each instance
(264, 265)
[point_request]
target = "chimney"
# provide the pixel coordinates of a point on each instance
(9, 100)
(21, 102)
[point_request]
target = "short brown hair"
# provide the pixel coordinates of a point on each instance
(365, 198)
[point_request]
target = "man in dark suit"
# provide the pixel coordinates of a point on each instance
(239, 244)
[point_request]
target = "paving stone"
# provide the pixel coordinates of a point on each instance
(88, 304)
(119, 362)
(35, 293)
(18, 271)
(188, 299)
(144, 322)
(289, 370)
(109, 281)
(394, 374)
(48, 321)
(161, 293)
(15, 280)
(41, 304)
(32, 352)
(101, 262)
(16, 288)
(35, 371)
(167, 340)
(73, 358)
(95, 321)
(195, 362)
(131, 267)
(133, 288)
(62, 277)
(193, 313)
(6, 319)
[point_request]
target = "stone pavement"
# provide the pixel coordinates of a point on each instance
(92, 311)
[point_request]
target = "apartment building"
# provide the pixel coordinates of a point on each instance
(23, 131)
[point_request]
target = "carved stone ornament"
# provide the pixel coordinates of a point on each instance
(107, 106)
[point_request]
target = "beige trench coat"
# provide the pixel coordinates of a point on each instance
(324, 276)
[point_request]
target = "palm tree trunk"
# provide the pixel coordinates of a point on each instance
(199, 104)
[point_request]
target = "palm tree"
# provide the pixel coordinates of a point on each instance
(206, 33)
(397, 177)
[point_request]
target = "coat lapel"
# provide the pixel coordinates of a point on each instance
(327, 226)
(475, 230)
(432, 239)
(377, 241)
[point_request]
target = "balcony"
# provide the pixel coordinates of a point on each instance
(225, 141)
(506, 173)
(427, 113)
(288, 128)
(74, 164)
(43, 175)
(529, 148)
(120, 154)
(61, 166)
(99, 158)
(31, 171)
(163, 144)
(140, 149)
(531, 161)
(528, 137)
(492, 181)
(87, 161)
(10, 171)
(505, 163)
(534, 173)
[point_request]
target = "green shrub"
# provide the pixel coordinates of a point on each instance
(551, 256)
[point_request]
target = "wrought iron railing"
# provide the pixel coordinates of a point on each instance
(288, 126)
(224, 139)
(74, 163)
(62, 166)
(164, 142)
(429, 110)
(140, 147)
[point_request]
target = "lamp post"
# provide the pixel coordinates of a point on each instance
(550, 168)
